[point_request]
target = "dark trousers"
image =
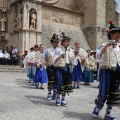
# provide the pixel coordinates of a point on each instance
(1, 61)
(5, 61)
(14, 61)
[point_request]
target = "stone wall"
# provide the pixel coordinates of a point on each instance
(62, 16)
(119, 20)
(83, 20)
(111, 12)
(95, 22)
(54, 19)
(75, 5)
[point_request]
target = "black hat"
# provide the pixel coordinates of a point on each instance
(112, 28)
(54, 38)
(63, 36)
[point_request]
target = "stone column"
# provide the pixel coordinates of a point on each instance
(94, 21)
(25, 15)
(39, 23)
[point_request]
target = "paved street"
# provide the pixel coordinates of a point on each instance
(21, 101)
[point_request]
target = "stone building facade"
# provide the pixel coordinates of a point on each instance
(25, 23)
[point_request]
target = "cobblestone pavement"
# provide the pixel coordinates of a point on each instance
(21, 101)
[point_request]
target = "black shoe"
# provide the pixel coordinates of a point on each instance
(85, 83)
(88, 84)
(78, 87)
(42, 88)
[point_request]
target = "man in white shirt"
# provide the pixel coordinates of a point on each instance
(1, 57)
(15, 50)
(6, 58)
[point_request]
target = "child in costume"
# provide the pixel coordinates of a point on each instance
(40, 74)
(62, 61)
(51, 70)
(109, 82)
(30, 65)
(90, 65)
(23, 59)
(77, 73)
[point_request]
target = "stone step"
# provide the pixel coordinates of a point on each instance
(10, 68)
(16, 66)
(22, 71)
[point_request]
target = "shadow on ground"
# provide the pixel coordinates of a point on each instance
(88, 86)
(40, 100)
(24, 83)
(81, 116)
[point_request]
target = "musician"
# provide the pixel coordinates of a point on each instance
(109, 87)
(40, 74)
(62, 61)
(77, 73)
(51, 70)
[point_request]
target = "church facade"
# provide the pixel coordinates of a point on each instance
(25, 23)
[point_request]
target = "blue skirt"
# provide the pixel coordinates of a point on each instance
(31, 72)
(77, 74)
(40, 76)
(88, 76)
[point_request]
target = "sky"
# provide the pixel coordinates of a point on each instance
(118, 1)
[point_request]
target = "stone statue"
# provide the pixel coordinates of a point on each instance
(3, 21)
(15, 22)
(33, 18)
(20, 19)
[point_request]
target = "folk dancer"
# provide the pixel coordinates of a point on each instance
(40, 74)
(99, 60)
(30, 65)
(90, 65)
(109, 84)
(77, 73)
(23, 59)
(51, 70)
(62, 61)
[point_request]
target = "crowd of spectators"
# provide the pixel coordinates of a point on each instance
(9, 56)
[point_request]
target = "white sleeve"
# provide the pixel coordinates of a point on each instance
(98, 55)
(72, 53)
(16, 50)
